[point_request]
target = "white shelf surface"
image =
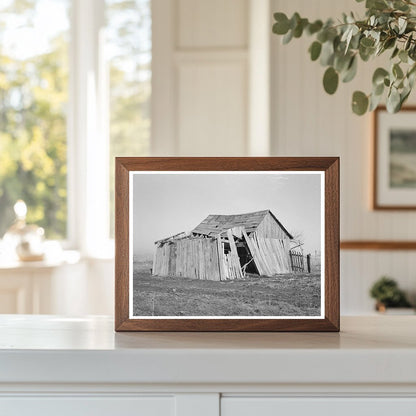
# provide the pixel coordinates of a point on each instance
(53, 349)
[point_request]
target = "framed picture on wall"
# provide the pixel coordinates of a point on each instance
(227, 244)
(394, 178)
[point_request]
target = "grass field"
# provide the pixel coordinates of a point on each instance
(282, 295)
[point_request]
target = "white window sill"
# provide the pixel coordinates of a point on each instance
(65, 257)
(56, 256)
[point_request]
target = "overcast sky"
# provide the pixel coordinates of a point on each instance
(165, 204)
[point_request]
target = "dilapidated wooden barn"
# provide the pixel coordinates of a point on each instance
(226, 247)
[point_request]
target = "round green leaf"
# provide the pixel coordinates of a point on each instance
(330, 80)
(403, 97)
(376, 4)
(294, 20)
(314, 27)
(400, 5)
(397, 71)
(351, 71)
(366, 53)
(327, 54)
(389, 43)
(322, 36)
(395, 52)
(315, 50)
(403, 55)
(367, 42)
(393, 101)
(288, 37)
(378, 90)
(374, 102)
(411, 77)
(342, 61)
(298, 30)
(281, 27)
(402, 22)
(359, 103)
(379, 75)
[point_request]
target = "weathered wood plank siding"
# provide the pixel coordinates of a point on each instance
(172, 259)
(254, 250)
(220, 250)
(234, 260)
(269, 228)
(273, 254)
(195, 258)
(161, 260)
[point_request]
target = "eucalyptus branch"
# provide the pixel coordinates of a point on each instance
(388, 25)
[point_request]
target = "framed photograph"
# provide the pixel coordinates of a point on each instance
(394, 179)
(227, 244)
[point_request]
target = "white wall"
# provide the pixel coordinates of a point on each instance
(308, 122)
(211, 95)
(200, 77)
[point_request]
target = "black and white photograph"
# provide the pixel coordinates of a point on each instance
(226, 244)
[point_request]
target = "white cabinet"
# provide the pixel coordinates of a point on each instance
(271, 406)
(88, 406)
(202, 405)
(52, 365)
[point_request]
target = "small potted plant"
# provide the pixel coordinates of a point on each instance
(387, 294)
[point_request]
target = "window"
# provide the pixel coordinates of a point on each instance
(33, 97)
(75, 87)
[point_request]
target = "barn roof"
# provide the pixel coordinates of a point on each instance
(216, 224)
(173, 237)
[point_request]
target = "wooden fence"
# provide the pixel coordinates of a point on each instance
(297, 261)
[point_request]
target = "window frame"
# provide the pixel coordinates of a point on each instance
(87, 133)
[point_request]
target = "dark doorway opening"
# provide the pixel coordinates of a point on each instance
(246, 258)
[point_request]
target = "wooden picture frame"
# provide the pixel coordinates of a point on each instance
(132, 178)
(376, 245)
(394, 184)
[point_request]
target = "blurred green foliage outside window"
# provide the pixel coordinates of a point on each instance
(34, 90)
(33, 100)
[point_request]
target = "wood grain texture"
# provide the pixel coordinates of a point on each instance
(377, 245)
(121, 244)
(376, 204)
(330, 165)
(332, 225)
